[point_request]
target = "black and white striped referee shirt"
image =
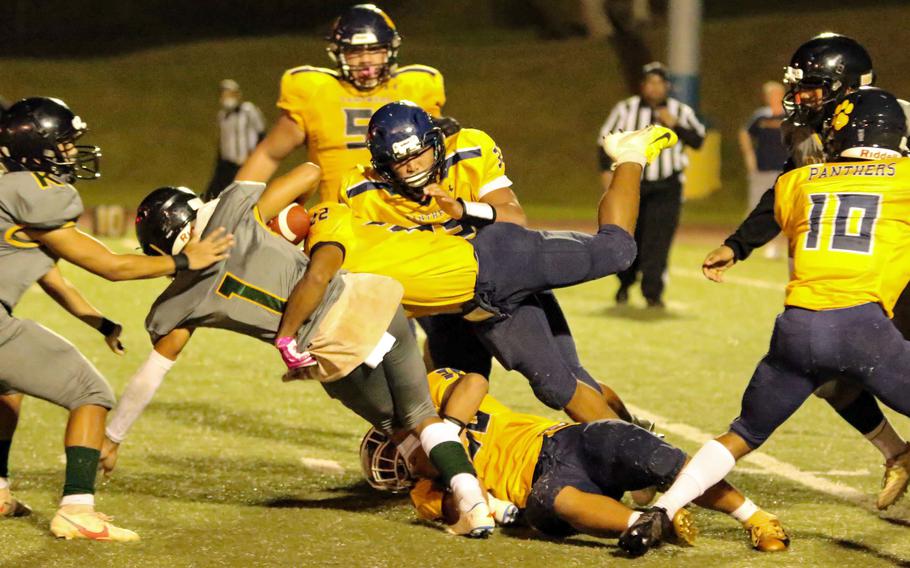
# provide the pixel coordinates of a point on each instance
(242, 128)
(632, 114)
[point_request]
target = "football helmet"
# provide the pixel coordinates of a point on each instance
(399, 131)
(383, 465)
(868, 124)
(39, 134)
(164, 220)
(364, 27)
(820, 74)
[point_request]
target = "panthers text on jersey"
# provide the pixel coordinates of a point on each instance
(334, 115)
(438, 271)
(473, 168)
(504, 445)
(849, 230)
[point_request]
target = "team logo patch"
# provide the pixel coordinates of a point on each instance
(842, 114)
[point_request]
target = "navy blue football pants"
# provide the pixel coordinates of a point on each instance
(807, 347)
(531, 336)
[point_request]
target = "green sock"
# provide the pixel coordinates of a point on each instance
(4, 457)
(81, 466)
(450, 459)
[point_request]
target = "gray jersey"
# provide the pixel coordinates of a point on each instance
(30, 200)
(247, 292)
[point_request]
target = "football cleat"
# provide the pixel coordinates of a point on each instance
(895, 479)
(480, 520)
(766, 532)
(684, 528)
(12, 507)
(647, 532)
(84, 522)
(638, 146)
(504, 512)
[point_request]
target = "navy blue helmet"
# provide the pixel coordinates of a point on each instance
(164, 220)
(828, 64)
(868, 124)
(32, 132)
(364, 27)
(399, 131)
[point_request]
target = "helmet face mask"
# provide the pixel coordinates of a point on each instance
(383, 465)
(364, 44)
(400, 133)
(39, 134)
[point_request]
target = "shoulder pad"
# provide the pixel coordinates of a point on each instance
(311, 69)
(417, 69)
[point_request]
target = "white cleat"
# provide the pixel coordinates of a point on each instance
(480, 520)
(504, 512)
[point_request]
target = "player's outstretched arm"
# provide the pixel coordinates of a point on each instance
(69, 298)
(297, 185)
(87, 252)
(717, 262)
(284, 137)
(500, 205)
(325, 262)
(139, 392)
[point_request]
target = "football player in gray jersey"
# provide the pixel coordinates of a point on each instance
(38, 210)
(359, 344)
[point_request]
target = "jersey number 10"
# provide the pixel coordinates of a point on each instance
(844, 238)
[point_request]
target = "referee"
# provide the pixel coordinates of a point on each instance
(241, 127)
(661, 185)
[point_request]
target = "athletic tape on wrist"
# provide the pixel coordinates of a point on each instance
(477, 214)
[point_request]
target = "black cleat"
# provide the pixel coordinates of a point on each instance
(649, 531)
(655, 303)
(622, 296)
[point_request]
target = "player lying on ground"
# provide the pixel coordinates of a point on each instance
(566, 477)
(487, 278)
(361, 348)
(420, 178)
(846, 223)
(38, 210)
(821, 73)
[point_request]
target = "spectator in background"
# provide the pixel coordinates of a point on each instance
(241, 126)
(661, 185)
(763, 149)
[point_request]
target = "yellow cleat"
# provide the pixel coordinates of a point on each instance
(684, 527)
(12, 507)
(766, 532)
(894, 482)
(639, 146)
(80, 521)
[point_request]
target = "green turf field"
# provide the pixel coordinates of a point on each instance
(213, 474)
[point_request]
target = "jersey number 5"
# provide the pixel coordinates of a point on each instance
(854, 222)
(356, 121)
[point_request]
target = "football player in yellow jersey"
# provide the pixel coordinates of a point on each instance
(328, 109)
(420, 178)
(487, 278)
(849, 237)
(567, 478)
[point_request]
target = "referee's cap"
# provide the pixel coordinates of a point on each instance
(229, 85)
(655, 68)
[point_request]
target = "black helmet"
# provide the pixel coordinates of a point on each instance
(164, 220)
(364, 26)
(831, 62)
(31, 133)
(398, 131)
(868, 124)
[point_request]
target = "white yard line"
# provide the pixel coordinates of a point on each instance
(762, 461)
(735, 280)
(322, 465)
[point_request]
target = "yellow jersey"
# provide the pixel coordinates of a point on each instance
(438, 271)
(334, 114)
(849, 230)
(504, 445)
(473, 168)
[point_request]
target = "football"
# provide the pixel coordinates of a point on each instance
(293, 223)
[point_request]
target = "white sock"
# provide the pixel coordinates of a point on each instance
(886, 440)
(632, 518)
(708, 466)
(4, 483)
(80, 499)
(467, 491)
(745, 511)
(437, 433)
